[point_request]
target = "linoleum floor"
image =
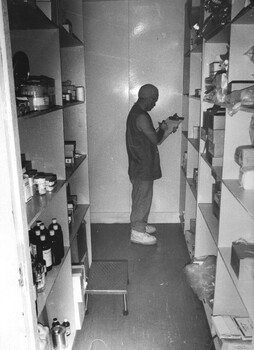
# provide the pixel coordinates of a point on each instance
(164, 313)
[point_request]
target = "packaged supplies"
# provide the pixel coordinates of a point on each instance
(244, 156)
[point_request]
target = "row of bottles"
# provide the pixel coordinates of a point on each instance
(60, 333)
(65, 324)
(47, 250)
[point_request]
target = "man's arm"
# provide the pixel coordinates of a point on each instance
(144, 125)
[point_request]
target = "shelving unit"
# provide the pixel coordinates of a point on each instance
(56, 53)
(214, 234)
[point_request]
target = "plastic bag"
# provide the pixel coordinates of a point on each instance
(200, 274)
(250, 53)
(44, 341)
(240, 98)
(251, 130)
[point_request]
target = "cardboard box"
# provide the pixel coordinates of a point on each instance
(242, 260)
(190, 242)
(216, 136)
(214, 161)
(216, 149)
(246, 178)
(244, 155)
(235, 345)
(69, 148)
(193, 225)
(203, 133)
(214, 120)
(79, 286)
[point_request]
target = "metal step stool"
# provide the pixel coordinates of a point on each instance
(108, 277)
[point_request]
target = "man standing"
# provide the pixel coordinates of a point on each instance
(144, 162)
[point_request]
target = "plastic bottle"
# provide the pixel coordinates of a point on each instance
(55, 248)
(35, 241)
(67, 326)
(40, 275)
(59, 234)
(55, 322)
(33, 262)
(31, 234)
(37, 225)
(44, 230)
(46, 251)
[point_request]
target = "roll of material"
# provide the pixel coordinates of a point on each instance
(59, 338)
(244, 156)
(80, 93)
(246, 178)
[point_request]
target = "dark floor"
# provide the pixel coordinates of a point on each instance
(164, 313)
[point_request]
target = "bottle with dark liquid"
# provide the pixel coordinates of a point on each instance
(59, 234)
(55, 248)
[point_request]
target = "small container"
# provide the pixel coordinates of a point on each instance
(67, 326)
(59, 338)
(40, 277)
(80, 93)
(55, 322)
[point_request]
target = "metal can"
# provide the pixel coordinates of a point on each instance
(59, 338)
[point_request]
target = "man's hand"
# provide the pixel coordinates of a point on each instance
(163, 125)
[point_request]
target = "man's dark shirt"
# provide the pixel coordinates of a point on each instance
(143, 155)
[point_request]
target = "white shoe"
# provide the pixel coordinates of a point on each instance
(142, 238)
(150, 229)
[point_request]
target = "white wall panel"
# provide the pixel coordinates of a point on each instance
(130, 43)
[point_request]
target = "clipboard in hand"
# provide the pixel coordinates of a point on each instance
(172, 123)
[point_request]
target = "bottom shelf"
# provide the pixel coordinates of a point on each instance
(223, 344)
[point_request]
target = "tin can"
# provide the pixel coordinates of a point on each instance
(59, 338)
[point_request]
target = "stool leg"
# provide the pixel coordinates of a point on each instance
(86, 304)
(125, 310)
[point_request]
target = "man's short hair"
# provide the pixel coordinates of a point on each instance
(147, 91)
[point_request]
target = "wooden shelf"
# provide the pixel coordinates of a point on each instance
(38, 203)
(236, 210)
(219, 35)
(79, 215)
(69, 39)
(50, 280)
(70, 169)
(185, 134)
(244, 288)
(23, 16)
(245, 16)
(35, 114)
(211, 221)
(192, 187)
(194, 143)
(72, 103)
(244, 197)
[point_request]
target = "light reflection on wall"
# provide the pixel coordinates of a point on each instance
(139, 29)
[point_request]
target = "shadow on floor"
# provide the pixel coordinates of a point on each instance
(164, 313)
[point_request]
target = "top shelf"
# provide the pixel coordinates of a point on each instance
(221, 33)
(245, 16)
(23, 16)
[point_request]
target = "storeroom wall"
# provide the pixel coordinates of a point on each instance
(128, 44)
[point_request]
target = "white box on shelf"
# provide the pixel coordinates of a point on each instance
(79, 285)
(246, 178)
(216, 149)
